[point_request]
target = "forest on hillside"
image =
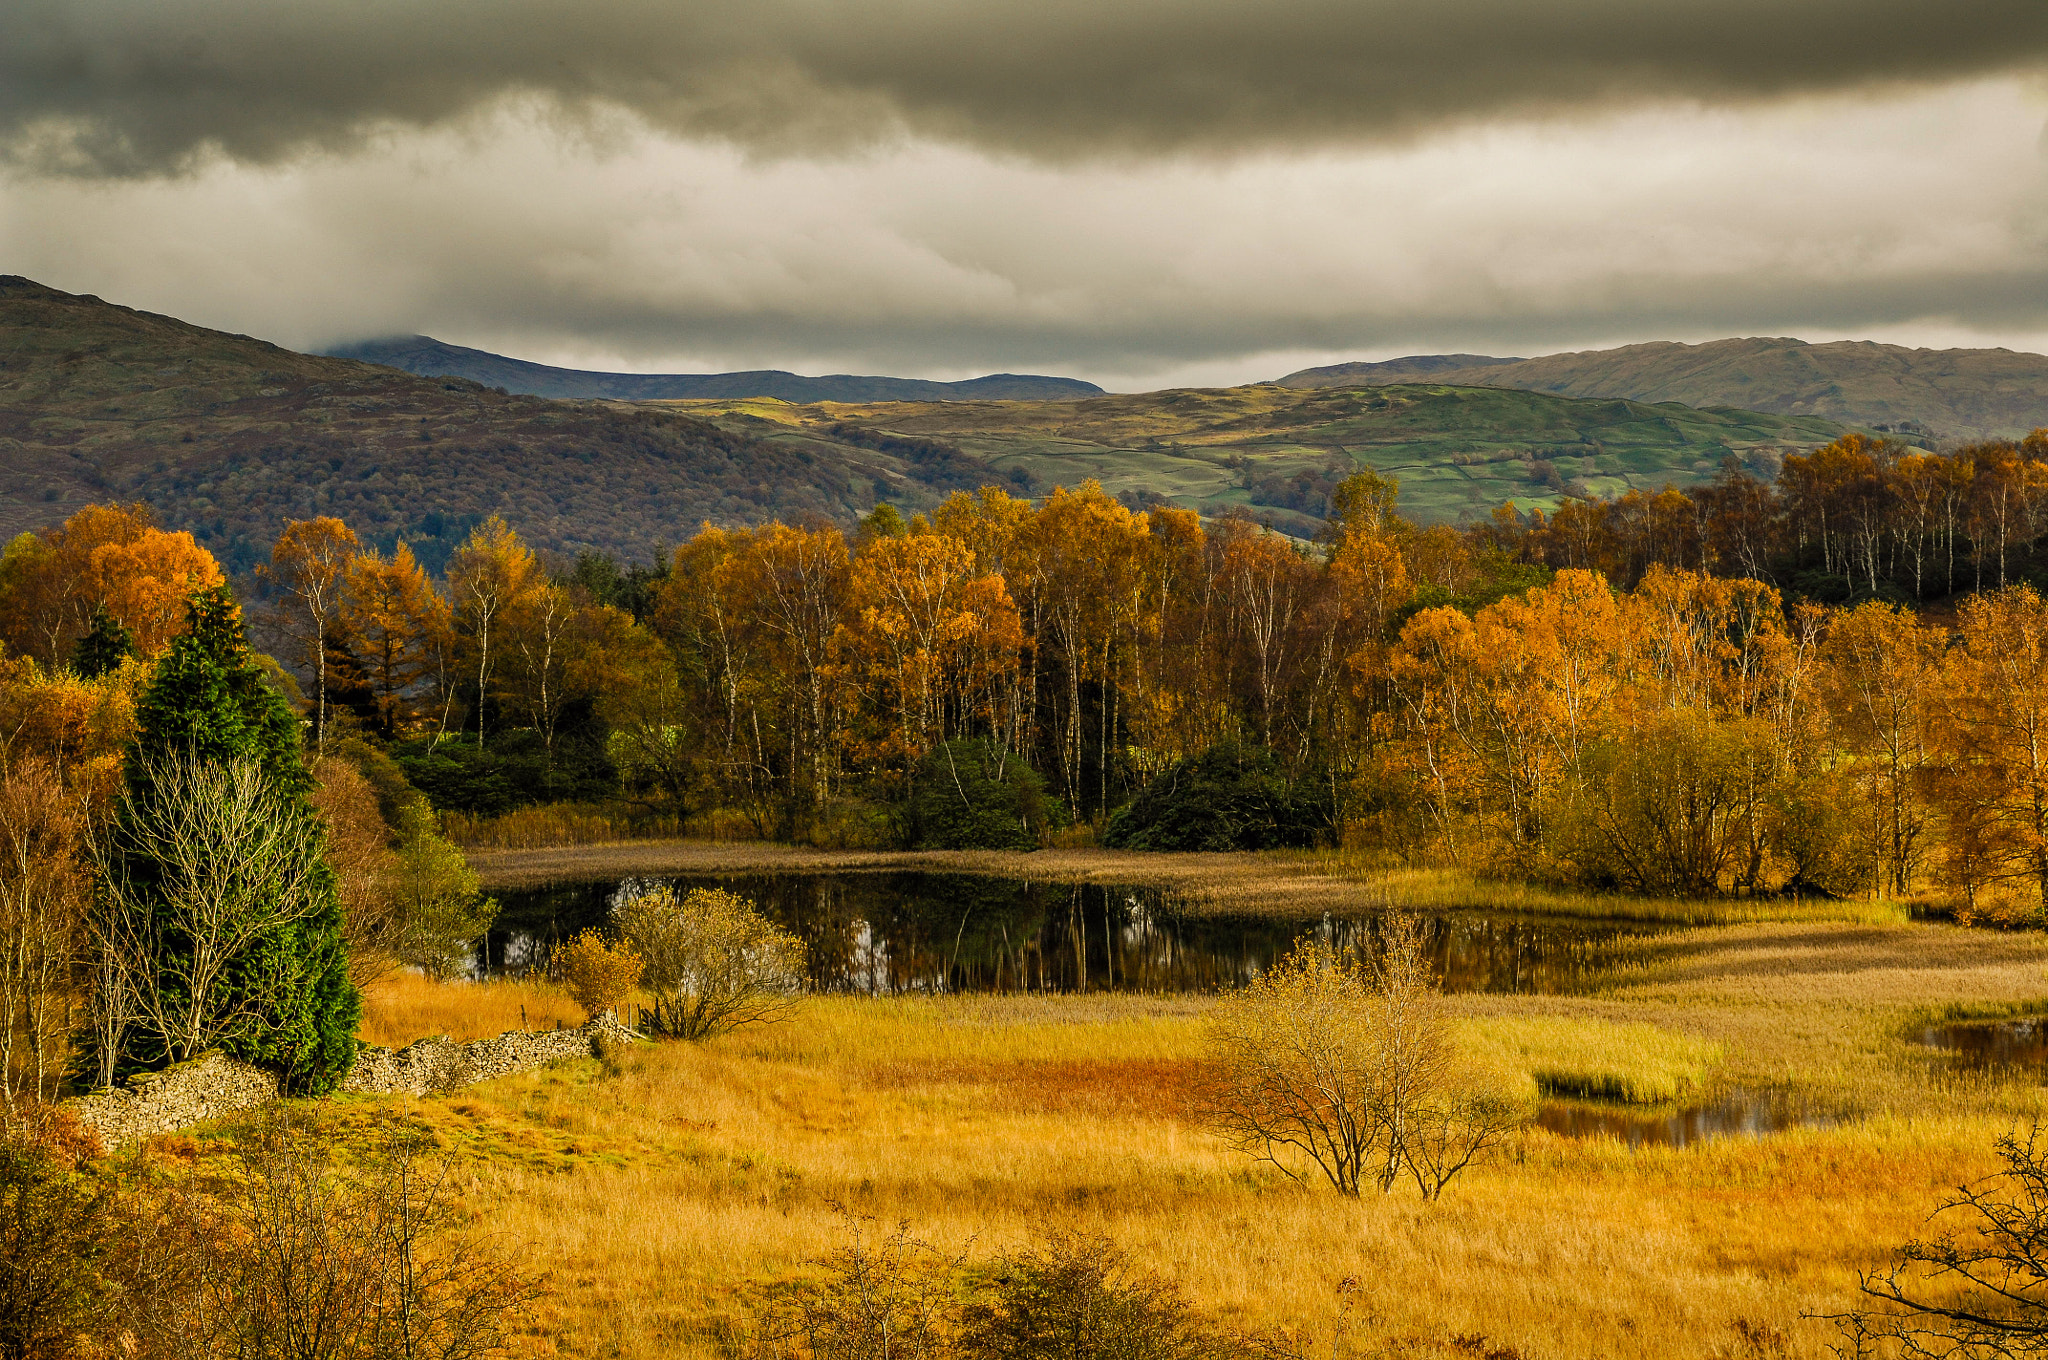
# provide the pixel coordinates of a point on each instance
(1737, 691)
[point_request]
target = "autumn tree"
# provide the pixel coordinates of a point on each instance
(933, 639)
(793, 584)
(77, 727)
(1991, 735)
(489, 576)
(310, 565)
(365, 869)
(1881, 687)
(399, 625)
(1078, 556)
(43, 894)
(103, 557)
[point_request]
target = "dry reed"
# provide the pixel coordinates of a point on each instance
(402, 1006)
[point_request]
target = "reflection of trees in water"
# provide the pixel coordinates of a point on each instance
(918, 932)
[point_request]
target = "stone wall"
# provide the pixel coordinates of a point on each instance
(441, 1064)
(208, 1087)
(214, 1085)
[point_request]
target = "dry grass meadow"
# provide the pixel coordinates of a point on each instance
(661, 1189)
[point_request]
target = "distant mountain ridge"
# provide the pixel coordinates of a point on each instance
(229, 436)
(1372, 374)
(1953, 394)
(431, 358)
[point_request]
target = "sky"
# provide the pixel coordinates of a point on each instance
(1142, 193)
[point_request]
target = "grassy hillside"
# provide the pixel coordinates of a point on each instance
(1954, 394)
(229, 436)
(1275, 450)
(433, 358)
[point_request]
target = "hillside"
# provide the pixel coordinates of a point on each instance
(428, 357)
(1380, 372)
(228, 436)
(1276, 451)
(1951, 394)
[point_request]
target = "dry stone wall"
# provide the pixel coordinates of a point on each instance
(214, 1085)
(210, 1086)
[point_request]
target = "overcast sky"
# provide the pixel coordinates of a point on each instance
(1138, 192)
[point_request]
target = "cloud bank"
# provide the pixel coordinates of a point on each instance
(1923, 216)
(146, 87)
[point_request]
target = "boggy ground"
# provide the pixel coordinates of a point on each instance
(661, 1189)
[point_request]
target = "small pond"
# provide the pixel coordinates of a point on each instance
(888, 932)
(1991, 1043)
(1737, 1113)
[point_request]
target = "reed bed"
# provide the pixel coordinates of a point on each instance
(1592, 1059)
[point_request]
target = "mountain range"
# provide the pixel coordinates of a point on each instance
(1946, 394)
(433, 358)
(229, 436)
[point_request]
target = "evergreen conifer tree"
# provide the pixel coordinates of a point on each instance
(106, 644)
(208, 704)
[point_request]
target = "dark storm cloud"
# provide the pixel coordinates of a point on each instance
(142, 86)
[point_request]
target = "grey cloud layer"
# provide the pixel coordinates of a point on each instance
(100, 87)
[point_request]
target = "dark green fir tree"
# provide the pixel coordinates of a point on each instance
(106, 644)
(295, 1009)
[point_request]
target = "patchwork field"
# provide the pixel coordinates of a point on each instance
(1458, 451)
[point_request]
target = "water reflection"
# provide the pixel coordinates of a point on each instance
(1737, 1113)
(1991, 1043)
(887, 932)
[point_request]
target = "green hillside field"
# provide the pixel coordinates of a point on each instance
(1947, 395)
(1272, 450)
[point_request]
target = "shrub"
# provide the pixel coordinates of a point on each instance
(55, 1227)
(1349, 1067)
(1976, 1286)
(441, 908)
(974, 795)
(516, 769)
(1687, 805)
(1229, 797)
(712, 961)
(1069, 1298)
(1078, 1298)
(354, 1261)
(878, 1296)
(598, 975)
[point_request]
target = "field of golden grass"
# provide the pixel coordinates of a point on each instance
(1295, 883)
(402, 1006)
(661, 1190)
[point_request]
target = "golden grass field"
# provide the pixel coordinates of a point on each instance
(658, 1191)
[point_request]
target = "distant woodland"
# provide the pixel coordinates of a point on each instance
(1739, 691)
